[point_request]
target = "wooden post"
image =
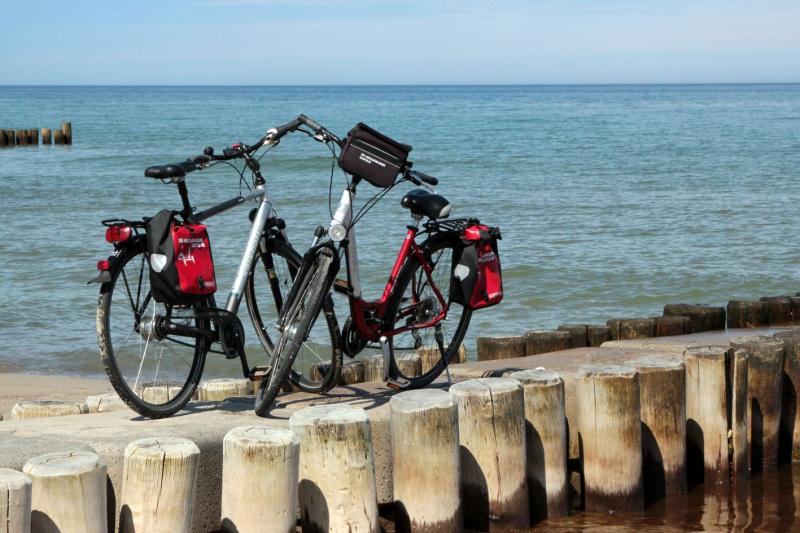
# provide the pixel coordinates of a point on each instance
(11, 137)
(765, 392)
(426, 462)
(546, 437)
(66, 127)
(3, 138)
(537, 342)
(491, 348)
(790, 414)
(409, 364)
(668, 326)
(373, 367)
(22, 137)
(46, 408)
(46, 135)
(610, 437)
(159, 479)
(430, 356)
(662, 399)
(597, 335)
(224, 388)
(103, 403)
(68, 492)
(159, 394)
(259, 480)
(736, 362)
(701, 317)
(746, 314)
(336, 452)
(58, 136)
(15, 501)
(577, 334)
(33, 136)
(777, 309)
(631, 328)
(491, 425)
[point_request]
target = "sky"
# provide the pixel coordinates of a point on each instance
(362, 42)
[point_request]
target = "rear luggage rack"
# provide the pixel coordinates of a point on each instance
(455, 225)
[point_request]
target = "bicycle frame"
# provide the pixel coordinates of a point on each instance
(360, 307)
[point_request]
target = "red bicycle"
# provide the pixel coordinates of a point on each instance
(433, 287)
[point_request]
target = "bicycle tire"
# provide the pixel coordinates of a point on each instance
(282, 249)
(411, 269)
(110, 355)
(299, 317)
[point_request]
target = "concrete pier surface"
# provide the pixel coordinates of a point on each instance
(206, 423)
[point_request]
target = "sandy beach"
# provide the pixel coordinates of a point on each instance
(17, 387)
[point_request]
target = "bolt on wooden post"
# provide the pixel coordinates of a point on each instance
(426, 462)
(491, 426)
(546, 438)
(610, 437)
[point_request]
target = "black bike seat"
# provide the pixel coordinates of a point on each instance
(422, 202)
(176, 170)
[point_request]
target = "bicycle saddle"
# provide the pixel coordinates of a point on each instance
(422, 202)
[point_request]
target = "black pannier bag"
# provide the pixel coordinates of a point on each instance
(181, 265)
(477, 280)
(373, 156)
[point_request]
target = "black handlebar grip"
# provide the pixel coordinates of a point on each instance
(430, 180)
(311, 123)
(209, 151)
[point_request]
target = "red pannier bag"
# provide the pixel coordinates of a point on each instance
(477, 280)
(181, 264)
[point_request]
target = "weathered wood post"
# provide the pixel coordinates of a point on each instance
(336, 452)
(15, 502)
(159, 479)
(546, 438)
(259, 479)
(777, 309)
(66, 127)
(103, 403)
(597, 335)
(746, 314)
(46, 408)
(373, 367)
(33, 135)
(430, 356)
(159, 394)
(491, 348)
(662, 398)
(491, 426)
(610, 437)
(46, 135)
(790, 414)
(537, 342)
(224, 388)
(58, 136)
(3, 138)
(426, 462)
(631, 328)
(68, 492)
(736, 362)
(11, 137)
(409, 364)
(701, 317)
(765, 391)
(22, 137)
(577, 334)
(667, 326)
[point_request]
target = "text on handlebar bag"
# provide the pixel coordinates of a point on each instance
(373, 156)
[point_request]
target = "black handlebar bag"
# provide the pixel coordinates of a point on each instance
(372, 156)
(181, 265)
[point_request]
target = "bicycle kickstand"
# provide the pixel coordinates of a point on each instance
(393, 382)
(440, 343)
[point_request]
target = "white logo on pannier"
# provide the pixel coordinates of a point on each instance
(158, 262)
(460, 272)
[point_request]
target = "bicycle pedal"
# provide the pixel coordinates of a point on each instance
(397, 384)
(260, 373)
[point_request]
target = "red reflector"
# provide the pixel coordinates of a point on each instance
(103, 265)
(115, 234)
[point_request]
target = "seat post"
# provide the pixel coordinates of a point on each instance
(184, 192)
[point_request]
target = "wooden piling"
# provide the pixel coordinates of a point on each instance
(158, 486)
(491, 348)
(736, 362)
(373, 367)
(160, 394)
(491, 425)
(577, 334)
(631, 328)
(430, 356)
(409, 364)
(15, 502)
(33, 136)
(537, 342)
(662, 399)
(597, 335)
(58, 136)
(426, 462)
(46, 135)
(22, 137)
(66, 127)
(336, 452)
(777, 309)
(668, 326)
(259, 480)
(546, 438)
(103, 403)
(68, 492)
(701, 317)
(746, 314)
(224, 388)
(11, 137)
(3, 138)
(765, 391)
(790, 414)
(46, 408)
(610, 437)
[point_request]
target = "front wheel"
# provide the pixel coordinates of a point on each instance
(297, 319)
(155, 374)
(417, 357)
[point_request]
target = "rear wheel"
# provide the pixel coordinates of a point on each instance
(298, 319)
(155, 374)
(271, 277)
(417, 357)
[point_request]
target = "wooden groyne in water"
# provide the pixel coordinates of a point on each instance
(513, 441)
(30, 136)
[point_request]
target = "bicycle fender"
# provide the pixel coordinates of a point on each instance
(327, 248)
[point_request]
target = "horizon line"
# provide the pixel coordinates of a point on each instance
(579, 84)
